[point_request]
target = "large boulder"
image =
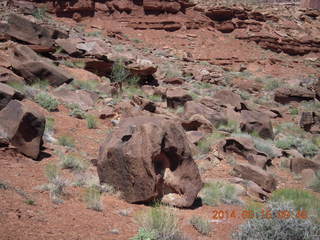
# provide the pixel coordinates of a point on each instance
(215, 114)
(74, 7)
(8, 93)
(7, 76)
(39, 70)
(308, 120)
(256, 174)
(149, 158)
(258, 122)
(286, 95)
(177, 97)
(299, 164)
(25, 30)
(23, 126)
(84, 99)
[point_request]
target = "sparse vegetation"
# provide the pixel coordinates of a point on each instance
(231, 126)
(305, 146)
(301, 200)
(202, 225)
(275, 227)
(49, 124)
(315, 185)
(158, 223)
(91, 122)
(217, 192)
(205, 144)
(66, 141)
(73, 162)
(47, 101)
(89, 85)
(93, 198)
(76, 111)
(56, 185)
(40, 13)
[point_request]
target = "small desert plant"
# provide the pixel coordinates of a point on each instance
(66, 141)
(305, 146)
(272, 84)
(89, 85)
(144, 234)
(49, 124)
(56, 185)
(301, 200)
(278, 228)
(77, 113)
(217, 192)
(202, 225)
(40, 13)
(294, 111)
(41, 84)
(119, 73)
(93, 198)
(160, 223)
(30, 202)
(315, 185)
(17, 85)
(46, 101)
(231, 126)
(73, 162)
(205, 144)
(91, 122)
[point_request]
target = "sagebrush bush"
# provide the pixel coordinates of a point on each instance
(231, 126)
(301, 200)
(277, 228)
(160, 223)
(305, 146)
(91, 122)
(205, 144)
(75, 163)
(202, 225)
(46, 101)
(90, 85)
(93, 198)
(315, 185)
(56, 185)
(217, 192)
(66, 141)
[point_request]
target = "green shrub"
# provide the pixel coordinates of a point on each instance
(77, 113)
(93, 198)
(46, 101)
(292, 228)
(202, 225)
(49, 124)
(40, 13)
(119, 73)
(160, 223)
(294, 111)
(56, 185)
(315, 185)
(89, 85)
(305, 146)
(73, 162)
(144, 234)
(231, 126)
(273, 84)
(301, 200)
(91, 122)
(217, 192)
(66, 141)
(205, 144)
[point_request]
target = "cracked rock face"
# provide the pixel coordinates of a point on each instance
(148, 158)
